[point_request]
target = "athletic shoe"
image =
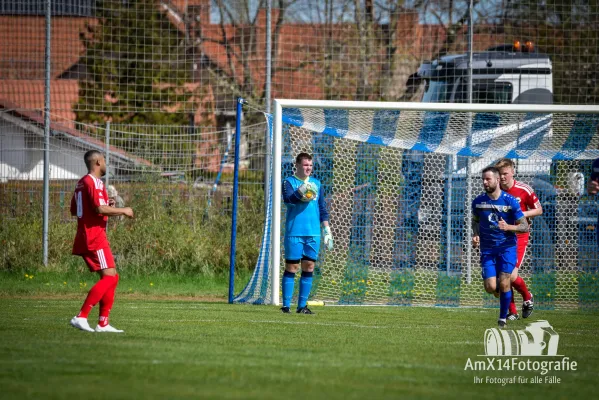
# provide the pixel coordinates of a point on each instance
(81, 323)
(501, 323)
(108, 328)
(513, 317)
(304, 310)
(527, 308)
(285, 310)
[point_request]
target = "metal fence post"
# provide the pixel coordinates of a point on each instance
(47, 66)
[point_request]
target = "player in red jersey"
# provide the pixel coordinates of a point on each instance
(92, 207)
(531, 207)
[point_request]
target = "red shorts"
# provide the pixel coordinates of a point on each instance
(99, 259)
(521, 250)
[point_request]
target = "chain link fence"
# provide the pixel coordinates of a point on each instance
(165, 75)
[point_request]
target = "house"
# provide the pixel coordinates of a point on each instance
(214, 52)
(22, 147)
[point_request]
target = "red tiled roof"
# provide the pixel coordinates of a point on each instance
(30, 94)
(23, 42)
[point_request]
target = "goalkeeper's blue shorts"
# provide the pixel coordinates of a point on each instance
(498, 259)
(298, 247)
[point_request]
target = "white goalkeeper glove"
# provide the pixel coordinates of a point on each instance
(308, 191)
(328, 237)
(304, 187)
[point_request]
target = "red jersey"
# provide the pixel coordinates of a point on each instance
(526, 197)
(90, 193)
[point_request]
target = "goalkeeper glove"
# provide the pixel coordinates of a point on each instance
(304, 187)
(328, 237)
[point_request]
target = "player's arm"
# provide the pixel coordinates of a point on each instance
(475, 225)
(291, 196)
(101, 206)
(324, 221)
(535, 212)
(534, 207)
(323, 210)
(475, 230)
(110, 211)
(593, 183)
(521, 225)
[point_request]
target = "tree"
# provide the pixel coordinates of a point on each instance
(567, 30)
(136, 67)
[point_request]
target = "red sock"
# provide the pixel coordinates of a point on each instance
(513, 309)
(95, 295)
(106, 303)
(520, 286)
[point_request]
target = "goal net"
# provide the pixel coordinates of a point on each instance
(399, 179)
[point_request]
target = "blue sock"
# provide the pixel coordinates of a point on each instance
(505, 298)
(304, 290)
(288, 282)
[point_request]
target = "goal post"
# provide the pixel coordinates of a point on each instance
(396, 180)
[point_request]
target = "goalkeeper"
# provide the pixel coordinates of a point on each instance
(306, 214)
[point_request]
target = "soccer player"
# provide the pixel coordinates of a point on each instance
(306, 214)
(531, 207)
(496, 218)
(593, 188)
(92, 207)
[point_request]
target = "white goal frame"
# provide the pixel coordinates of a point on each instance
(276, 178)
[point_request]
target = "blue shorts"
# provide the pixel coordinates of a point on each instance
(298, 247)
(496, 260)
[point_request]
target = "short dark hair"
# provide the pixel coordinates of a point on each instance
(302, 156)
(492, 169)
(90, 157)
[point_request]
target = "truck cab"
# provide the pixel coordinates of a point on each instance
(501, 75)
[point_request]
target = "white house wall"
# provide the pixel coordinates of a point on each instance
(22, 156)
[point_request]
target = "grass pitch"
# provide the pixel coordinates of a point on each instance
(175, 349)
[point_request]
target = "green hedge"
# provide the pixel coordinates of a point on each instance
(174, 231)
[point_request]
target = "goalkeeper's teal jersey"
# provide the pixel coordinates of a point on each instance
(303, 218)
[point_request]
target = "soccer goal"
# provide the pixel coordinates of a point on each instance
(399, 179)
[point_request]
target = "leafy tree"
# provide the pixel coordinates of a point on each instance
(567, 30)
(136, 67)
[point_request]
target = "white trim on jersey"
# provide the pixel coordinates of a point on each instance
(97, 182)
(102, 259)
(524, 186)
(530, 191)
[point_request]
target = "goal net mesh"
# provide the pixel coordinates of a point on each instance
(399, 185)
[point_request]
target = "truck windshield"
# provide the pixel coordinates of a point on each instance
(438, 91)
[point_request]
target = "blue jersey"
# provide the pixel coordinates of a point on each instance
(303, 218)
(488, 212)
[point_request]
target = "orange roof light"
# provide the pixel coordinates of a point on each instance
(529, 46)
(517, 46)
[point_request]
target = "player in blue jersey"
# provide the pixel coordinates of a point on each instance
(593, 188)
(496, 218)
(306, 214)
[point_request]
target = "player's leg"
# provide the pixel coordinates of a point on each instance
(489, 273)
(107, 300)
(310, 254)
(505, 264)
(487, 263)
(293, 256)
(519, 284)
(96, 262)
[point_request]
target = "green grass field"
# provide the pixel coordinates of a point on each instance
(178, 347)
